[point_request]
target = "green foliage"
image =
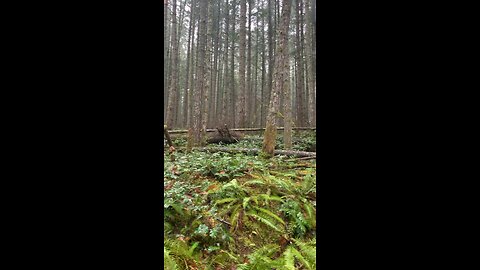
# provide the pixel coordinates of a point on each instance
(179, 255)
(299, 256)
(169, 262)
(224, 210)
(261, 259)
(221, 166)
(236, 199)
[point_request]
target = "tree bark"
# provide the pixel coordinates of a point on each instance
(206, 80)
(202, 39)
(240, 106)
(172, 89)
(280, 79)
(186, 103)
(308, 64)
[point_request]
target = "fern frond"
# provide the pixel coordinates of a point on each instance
(311, 216)
(309, 251)
(179, 248)
(245, 202)
(234, 217)
(268, 197)
(226, 200)
(270, 214)
(260, 259)
(289, 259)
(178, 208)
(308, 184)
(168, 262)
(254, 182)
(280, 183)
(299, 256)
(192, 249)
(265, 221)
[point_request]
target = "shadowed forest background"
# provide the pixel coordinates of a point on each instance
(220, 58)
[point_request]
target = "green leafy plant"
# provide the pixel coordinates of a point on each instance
(224, 210)
(180, 255)
(261, 259)
(299, 256)
(238, 202)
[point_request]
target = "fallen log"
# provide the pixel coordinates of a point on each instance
(254, 151)
(242, 129)
(307, 158)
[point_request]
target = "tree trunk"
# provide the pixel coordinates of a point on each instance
(194, 56)
(271, 59)
(186, 103)
(172, 90)
(240, 106)
(226, 81)
(249, 92)
(233, 95)
(206, 80)
(300, 93)
(202, 39)
(280, 78)
(166, 39)
(311, 71)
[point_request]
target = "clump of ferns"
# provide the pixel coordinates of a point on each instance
(261, 259)
(282, 184)
(300, 255)
(222, 259)
(297, 205)
(229, 190)
(271, 184)
(169, 262)
(300, 216)
(297, 255)
(178, 254)
(176, 216)
(240, 205)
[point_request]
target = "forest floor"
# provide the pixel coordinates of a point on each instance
(238, 211)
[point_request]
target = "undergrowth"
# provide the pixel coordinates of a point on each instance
(237, 211)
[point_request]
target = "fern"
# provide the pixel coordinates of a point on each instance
(181, 251)
(168, 262)
(270, 214)
(261, 258)
(308, 184)
(298, 224)
(266, 219)
(223, 259)
(281, 184)
(291, 255)
(226, 200)
(289, 259)
(309, 251)
(234, 217)
(254, 182)
(299, 256)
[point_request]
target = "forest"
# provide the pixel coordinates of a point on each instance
(239, 134)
